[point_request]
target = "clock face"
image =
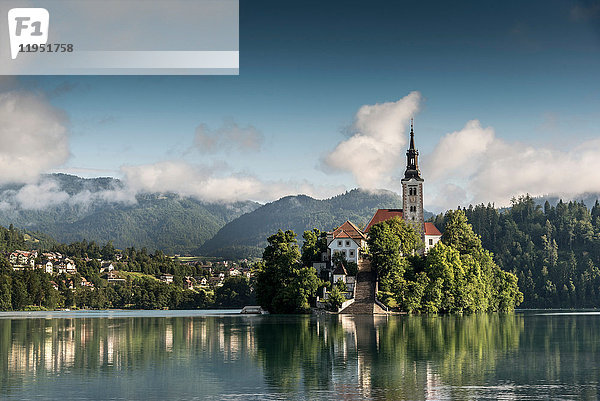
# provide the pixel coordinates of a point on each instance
(412, 198)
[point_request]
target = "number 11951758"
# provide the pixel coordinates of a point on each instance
(47, 48)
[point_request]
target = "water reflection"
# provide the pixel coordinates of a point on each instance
(296, 357)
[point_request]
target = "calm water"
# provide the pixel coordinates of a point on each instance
(201, 355)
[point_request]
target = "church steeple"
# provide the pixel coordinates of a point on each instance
(412, 158)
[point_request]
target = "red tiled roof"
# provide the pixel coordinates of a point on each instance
(386, 214)
(348, 230)
(383, 215)
(431, 229)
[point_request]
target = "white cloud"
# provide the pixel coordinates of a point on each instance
(40, 195)
(47, 193)
(448, 157)
(490, 169)
(211, 185)
(378, 141)
(230, 136)
(33, 137)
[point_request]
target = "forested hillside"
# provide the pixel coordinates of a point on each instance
(246, 235)
(168, 222)
(554, 251)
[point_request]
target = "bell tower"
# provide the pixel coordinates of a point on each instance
(412, 187)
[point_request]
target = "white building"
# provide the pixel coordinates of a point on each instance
(49, 268)
(347, 240)
(432, 236)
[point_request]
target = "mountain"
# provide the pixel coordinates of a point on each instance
(71, 208)
(246, 235)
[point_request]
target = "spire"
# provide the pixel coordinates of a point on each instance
(412, 157)
(412, 136)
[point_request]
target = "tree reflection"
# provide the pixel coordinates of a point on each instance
(382, 357)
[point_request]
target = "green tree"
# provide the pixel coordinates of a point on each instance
(389, 243)
(234, 293)
(282, 286)
(335, 299)
(458, 233)
(314, 245)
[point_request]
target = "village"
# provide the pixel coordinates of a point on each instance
(56, 264)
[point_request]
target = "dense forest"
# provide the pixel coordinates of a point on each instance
(553, 250)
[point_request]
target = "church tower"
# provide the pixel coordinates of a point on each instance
(412, 187)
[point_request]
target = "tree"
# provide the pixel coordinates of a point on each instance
(458, 233)
(335, 300)
(389, 242)
(314, 245)
(108, 251)
(234, 293)
(282, 286)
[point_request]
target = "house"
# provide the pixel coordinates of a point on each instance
(234, 272)
(346, 240)
(70, 266)
(188, 284)
(167, 278)
(113, 277)
(432, 236)
(203, 281)
(23, 258)
(106, 266)
(61, 268)
(51, 255)
(85, 283)
(339, 273)
(48, 267)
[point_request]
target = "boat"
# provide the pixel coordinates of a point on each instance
(254, 310)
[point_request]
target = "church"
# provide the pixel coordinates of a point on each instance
(348, 239)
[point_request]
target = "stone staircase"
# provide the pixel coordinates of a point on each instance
(364, 293)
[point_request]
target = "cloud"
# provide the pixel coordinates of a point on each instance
(209, 184)
(40, 195)
(33, 137)
(47, 192)
(230, 136)
(448, 159)
(378, 141)
(490, 169)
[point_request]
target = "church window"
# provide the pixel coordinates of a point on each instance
(339, 243)
(347, 243)
(351, 253)
(430, 241)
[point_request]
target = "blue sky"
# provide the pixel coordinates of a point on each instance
(527, 72)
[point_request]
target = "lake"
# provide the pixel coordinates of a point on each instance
(215, 355)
